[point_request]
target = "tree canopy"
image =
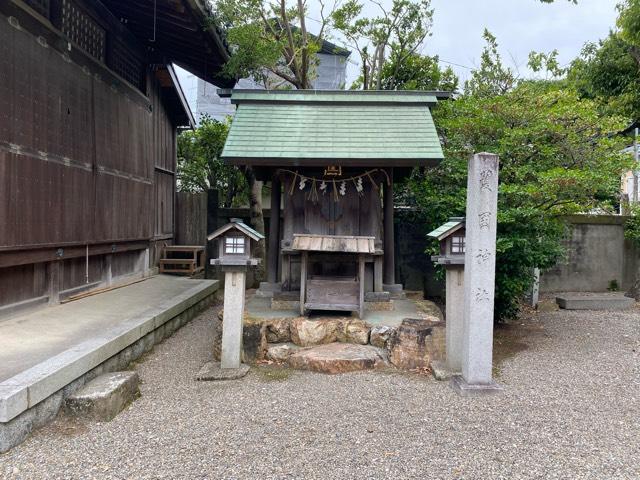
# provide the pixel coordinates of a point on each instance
(558, 154)
(270, 41)
(200, 167)
(394, 35)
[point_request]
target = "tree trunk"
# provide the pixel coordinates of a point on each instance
(257, 222)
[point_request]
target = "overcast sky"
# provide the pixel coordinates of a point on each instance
(520, 26)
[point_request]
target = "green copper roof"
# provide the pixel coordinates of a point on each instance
(314, 128)
(444, 230)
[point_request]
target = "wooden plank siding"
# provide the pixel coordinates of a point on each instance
(83, 161)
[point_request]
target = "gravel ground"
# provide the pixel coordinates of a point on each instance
(569, 410)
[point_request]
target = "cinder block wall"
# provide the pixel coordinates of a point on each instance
(597, 254)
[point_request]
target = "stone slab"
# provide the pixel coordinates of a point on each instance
(338, 358)
(44, 351)
(104, 396)
(268, 290)
(212, 371)
(594, 302)
(464, 389)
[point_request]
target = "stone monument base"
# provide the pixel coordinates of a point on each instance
(395, 290)
(212, 371)
(464, 389)
(268, 290)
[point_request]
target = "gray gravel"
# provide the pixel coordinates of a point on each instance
(570, 410)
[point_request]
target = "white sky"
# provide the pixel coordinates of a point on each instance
(519, 25)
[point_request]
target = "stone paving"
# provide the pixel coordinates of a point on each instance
(569, 410)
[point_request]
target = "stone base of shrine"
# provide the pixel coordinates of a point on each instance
(410, 336)
(268, 290)
(394, 289)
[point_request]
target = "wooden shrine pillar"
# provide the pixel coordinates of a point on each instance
(274, 232)
(389, 277)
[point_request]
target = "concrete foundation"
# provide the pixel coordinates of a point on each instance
(33, 396)
(465, 389)
(613, 301)
(213, 371)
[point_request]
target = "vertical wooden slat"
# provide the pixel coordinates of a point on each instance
(361, 285)
(303, 280)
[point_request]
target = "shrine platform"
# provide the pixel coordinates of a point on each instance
(392, 315)
(47, 353)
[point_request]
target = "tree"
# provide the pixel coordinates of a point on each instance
(559, 155)
(400, 29)
(417, 72)
(270, 39)
(607, 72)
(200, 167)
(629, 24)
(492, 77)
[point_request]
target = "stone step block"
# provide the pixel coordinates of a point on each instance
(594, 302)
(104, 397)
(339, 358)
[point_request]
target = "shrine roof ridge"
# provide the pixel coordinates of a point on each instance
(367, 97)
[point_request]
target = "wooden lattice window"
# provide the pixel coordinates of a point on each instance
(457, 244)
(125, 63)
(40, 6)
(83, 30)
(234, 245)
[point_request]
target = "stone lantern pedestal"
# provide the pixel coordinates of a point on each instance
(234, 258)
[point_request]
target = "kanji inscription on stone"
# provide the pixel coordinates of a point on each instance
(485, 180)
(484, 218)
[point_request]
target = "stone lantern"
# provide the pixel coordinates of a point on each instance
(452, 240)
(234, 247)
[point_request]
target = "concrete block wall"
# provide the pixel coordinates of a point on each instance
(597, 255)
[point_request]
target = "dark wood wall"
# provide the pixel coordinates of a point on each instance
(84, 161)
(352, 214)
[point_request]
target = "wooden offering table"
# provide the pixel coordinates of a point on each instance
(324, 290)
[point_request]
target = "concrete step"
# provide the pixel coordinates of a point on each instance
(339, 358)
(594, 302)
(104, 397)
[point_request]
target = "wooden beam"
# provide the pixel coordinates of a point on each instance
(274, 231)
(54, 254)
(361, 286)
(389, 246)
(303, 280)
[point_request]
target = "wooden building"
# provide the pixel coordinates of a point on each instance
(332, 158)
(89, 109)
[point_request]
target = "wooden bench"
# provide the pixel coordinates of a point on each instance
(182, 259)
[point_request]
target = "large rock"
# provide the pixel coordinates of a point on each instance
(380, 335)
(417, 342)
(338, 358)
(427, 308)
(353, 331)
(104, 396)
(306, 332)
(278, 330)
(254, 339)
(281, 351)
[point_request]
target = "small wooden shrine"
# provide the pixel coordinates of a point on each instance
(332, 158)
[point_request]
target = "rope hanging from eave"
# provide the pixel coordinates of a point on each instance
(338, 186)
